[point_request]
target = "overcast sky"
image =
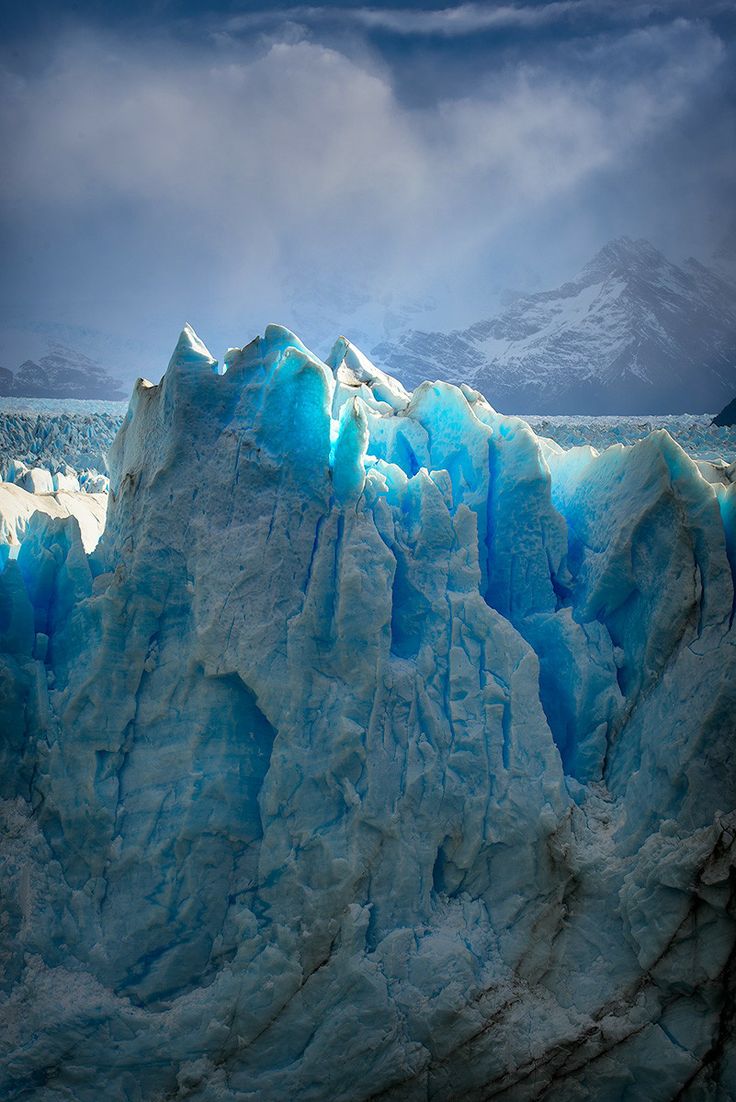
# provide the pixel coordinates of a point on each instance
(235, 164)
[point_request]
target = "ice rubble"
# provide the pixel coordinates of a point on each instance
(380, 750)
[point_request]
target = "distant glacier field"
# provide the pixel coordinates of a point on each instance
(49, 432)
(56, 406)
(693, 432)
(56, 430)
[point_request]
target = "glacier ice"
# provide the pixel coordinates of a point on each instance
(380, 749)
(56, 433)
(17, 507)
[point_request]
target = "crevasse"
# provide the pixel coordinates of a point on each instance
(380, 750)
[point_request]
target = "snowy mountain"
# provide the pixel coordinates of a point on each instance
(62, 372)
(632, 333)
(380, 750)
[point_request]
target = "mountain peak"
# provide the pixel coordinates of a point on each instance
(621, 256)
(632, 333)
(62, 373)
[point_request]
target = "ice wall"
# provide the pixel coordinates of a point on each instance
(379, 750)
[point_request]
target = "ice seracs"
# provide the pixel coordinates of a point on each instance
(380, 749)
(56, 437)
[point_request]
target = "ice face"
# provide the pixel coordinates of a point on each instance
(379, 749)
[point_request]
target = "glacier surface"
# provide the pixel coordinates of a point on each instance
(381, 749)
(52, 433)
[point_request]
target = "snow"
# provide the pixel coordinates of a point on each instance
(583, 308)
(380, 748)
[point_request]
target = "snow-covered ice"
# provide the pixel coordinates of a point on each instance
(381, 749)
(17, 506)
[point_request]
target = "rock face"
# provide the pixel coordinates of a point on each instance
(380, 750)
(62, 373)
(727, 416)
(632, 333)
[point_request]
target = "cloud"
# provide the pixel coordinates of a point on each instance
(465, 19)
(457, 20)
(216, 178)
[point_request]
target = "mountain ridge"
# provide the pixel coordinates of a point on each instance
(631, 333)
(62, 372)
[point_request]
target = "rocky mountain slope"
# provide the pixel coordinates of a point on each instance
(727, 416)
(632, 333)
(61, 373)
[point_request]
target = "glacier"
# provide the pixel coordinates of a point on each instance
(380, 749)
(61, 433)
(55, 433)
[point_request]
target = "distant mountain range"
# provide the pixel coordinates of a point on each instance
(632, 333)
(61, 373)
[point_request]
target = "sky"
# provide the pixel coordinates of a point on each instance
(342, 165)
